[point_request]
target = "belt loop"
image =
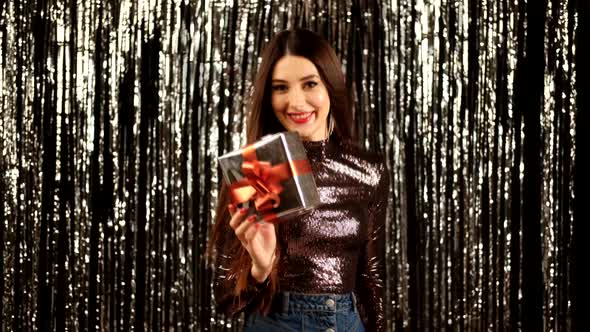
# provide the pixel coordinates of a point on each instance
(285, 302)
(354, 302)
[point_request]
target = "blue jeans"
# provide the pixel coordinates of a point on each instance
(308, 312)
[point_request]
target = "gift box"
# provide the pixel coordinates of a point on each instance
(272, 176)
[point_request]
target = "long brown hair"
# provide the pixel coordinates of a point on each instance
(262, 121)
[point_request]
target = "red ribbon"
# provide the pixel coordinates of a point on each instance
(262, 182)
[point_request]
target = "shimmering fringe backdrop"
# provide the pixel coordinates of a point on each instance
(113, 113)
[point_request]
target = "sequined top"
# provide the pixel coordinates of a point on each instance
(339, 246)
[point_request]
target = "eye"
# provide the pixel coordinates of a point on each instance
(279, 87)
(310, 84)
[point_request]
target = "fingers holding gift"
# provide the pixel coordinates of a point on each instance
(250, 233)
(232, 209)
(237, 218)
(244, 227)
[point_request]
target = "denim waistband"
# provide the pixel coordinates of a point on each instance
(289, 302)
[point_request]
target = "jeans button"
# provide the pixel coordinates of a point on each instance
(330, 330)
(330, 303)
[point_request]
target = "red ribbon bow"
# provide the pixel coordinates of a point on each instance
(262, 182)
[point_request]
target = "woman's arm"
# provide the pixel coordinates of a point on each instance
(224, 280)
(245, 248)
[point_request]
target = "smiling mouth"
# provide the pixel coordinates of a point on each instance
(300, 118)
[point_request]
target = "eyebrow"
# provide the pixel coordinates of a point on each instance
(301, 79)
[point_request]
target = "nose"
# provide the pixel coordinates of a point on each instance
(297, 100)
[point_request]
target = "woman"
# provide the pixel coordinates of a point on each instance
(321, 271)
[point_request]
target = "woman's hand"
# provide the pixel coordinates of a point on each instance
(259, 239)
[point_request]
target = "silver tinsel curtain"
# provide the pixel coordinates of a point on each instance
(113, 112)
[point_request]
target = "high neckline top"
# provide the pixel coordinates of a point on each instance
(318, 144)
(319, 148)
(339, 246)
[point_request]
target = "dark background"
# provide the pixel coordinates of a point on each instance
(113, 112)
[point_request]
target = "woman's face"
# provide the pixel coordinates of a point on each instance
(300, 99)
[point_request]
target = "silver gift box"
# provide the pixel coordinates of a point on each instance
(299, 192)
